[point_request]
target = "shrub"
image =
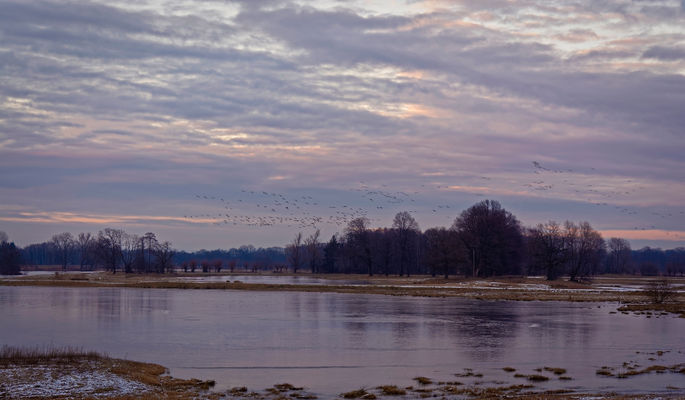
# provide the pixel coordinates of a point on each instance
(659, 291)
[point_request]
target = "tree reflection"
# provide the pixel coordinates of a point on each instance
(488, 329)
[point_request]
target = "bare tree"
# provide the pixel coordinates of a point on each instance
(130, 244)
(148, 243)
(331, 255)
(109, 247)
(407, 230)
(493, 238)
(217, 265)
(619, 256)
(586, 249)
(313, 251)
(164, 255)
(10, 258)
(85, 246)
(359, 243)
(383, 244)
(548, 248)
(444, 251)
(64, 245)
(675, 262)
(294, 252)
(649, 268)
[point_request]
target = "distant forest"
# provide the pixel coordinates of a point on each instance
(484, 240)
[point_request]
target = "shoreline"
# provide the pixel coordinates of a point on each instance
(623, 290)
(74, 374)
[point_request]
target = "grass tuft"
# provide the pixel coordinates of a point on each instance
(355, 394)
(555, 371)
(285, 387)
(392, 390)
(422, 380)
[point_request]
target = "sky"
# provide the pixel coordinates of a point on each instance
(217, 124)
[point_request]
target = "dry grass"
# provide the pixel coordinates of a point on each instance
(41, 355)
(468, 373)
(66, 360)
(356, 394)
(498, 392)
(537, 378)
(674, 308)
(659, 369)
(632, 370)
(286, 387)
(533, 377)
(422, 380)
(391, 390)
(518, 288)
(555, 371)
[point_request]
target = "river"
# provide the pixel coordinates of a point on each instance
(331, 342)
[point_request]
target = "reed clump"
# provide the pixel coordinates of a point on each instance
(422, 380)
(555, 371)
(392, 390)
(358, 394)
(43, 355)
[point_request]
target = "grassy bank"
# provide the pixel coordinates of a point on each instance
(514, 288)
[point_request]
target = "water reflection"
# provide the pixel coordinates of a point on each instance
(326, 340)
(488, 329)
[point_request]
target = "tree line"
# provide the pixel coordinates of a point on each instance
(116, 250)
(484, 240)
(111, 249)
(246, 258)
(10, 256)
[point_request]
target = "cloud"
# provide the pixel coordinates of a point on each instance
(120, 105)
(647, 234)
(665, 53)
(578, 35)
(68, 217)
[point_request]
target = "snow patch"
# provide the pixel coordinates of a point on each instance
(17, 382)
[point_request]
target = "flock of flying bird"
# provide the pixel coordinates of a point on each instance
(301, 211)
(605, 195)
(265, 208)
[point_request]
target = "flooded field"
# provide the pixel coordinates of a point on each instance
(331, 342)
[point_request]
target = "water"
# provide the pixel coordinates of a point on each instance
(331, 342)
